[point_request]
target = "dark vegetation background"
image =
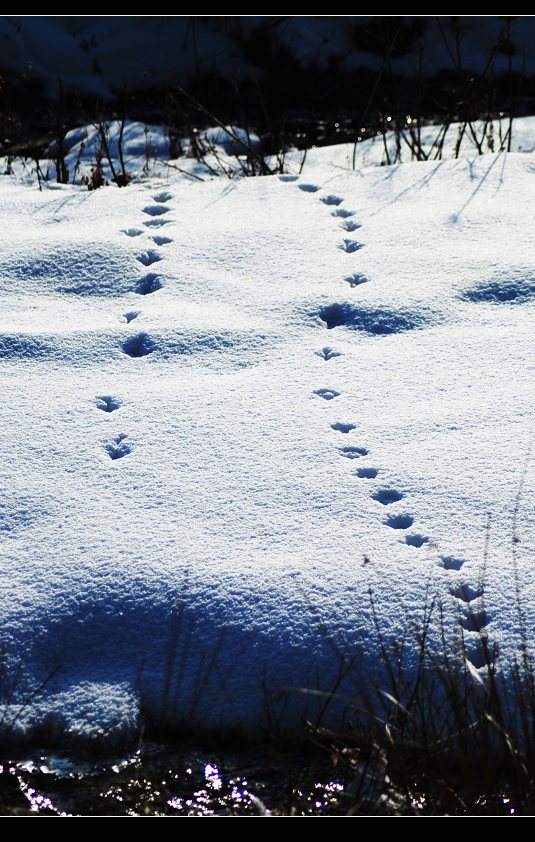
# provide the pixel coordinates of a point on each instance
(293, 80)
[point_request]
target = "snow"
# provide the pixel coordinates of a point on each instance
(146, 151)
(230, 408)
(139, 143)
(231, 139)
(383, 150)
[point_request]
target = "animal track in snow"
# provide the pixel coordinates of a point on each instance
(374, 320)
(349, 225)
(467, 593)
(342, 213)
(327, 394)
(356, 279)
(478, 656)
(473, 617)
(331, 200)
(451, 563)
(288, 178)
(155, 210)
(132, 232)
(387, 496)
(340, 427)
(474, 620)
(336, 315)
(147, 258)
(162, 197)
(353, 452)
(148, 284)
(138, 346)
(367, 473)
(328, 353)
(119, 448)
(416, 540)
(107, 403)
(350, 246)
(399, 521)
(129, 317)
(156, 223)
(161, 241)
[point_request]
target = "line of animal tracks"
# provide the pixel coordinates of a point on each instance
(139, 344)
(390, 501)
(469, 598)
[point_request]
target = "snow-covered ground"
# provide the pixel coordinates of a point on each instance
(232, 407)
(145, 151)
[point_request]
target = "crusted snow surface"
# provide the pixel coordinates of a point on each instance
(231, 409)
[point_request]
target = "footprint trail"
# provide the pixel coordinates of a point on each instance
(470, 599)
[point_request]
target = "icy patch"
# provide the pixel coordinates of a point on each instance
(139, 346)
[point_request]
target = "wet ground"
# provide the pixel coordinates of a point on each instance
(159, 781)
